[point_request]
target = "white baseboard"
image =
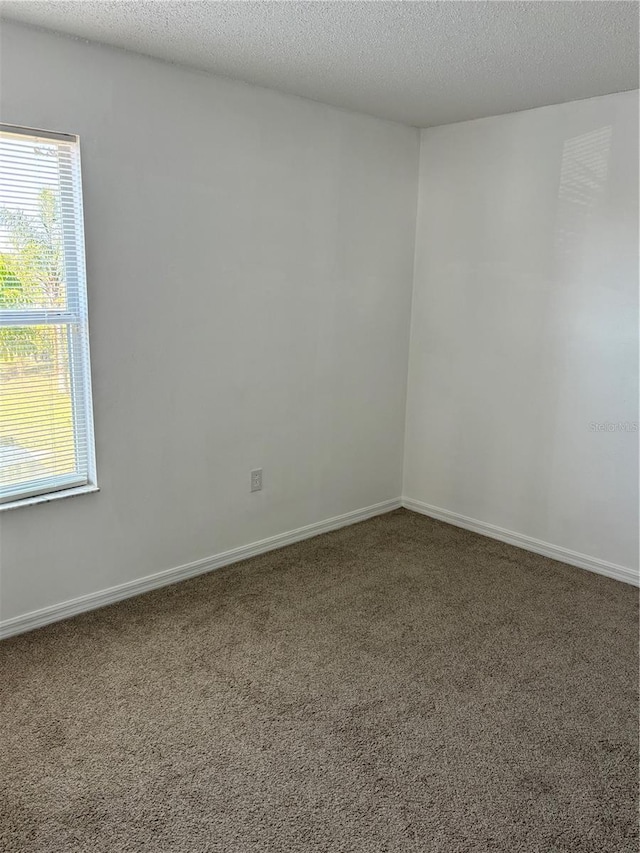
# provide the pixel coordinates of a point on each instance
(56, 612)
(528, 543)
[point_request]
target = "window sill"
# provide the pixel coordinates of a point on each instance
(50, 496)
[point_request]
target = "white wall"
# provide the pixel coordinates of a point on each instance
(250, 262)
(525, 325)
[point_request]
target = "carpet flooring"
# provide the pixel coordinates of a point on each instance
(398, 685)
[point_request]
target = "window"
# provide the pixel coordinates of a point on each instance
(46, 423)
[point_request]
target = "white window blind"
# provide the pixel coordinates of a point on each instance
(46, 424)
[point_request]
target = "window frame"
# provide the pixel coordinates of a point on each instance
(75, 319)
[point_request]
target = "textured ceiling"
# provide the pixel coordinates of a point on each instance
(422, 63)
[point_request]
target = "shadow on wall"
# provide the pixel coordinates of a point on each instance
(583, 176)
(537, 328)
(577, 330)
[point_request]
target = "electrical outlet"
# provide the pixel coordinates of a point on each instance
(256, 480)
